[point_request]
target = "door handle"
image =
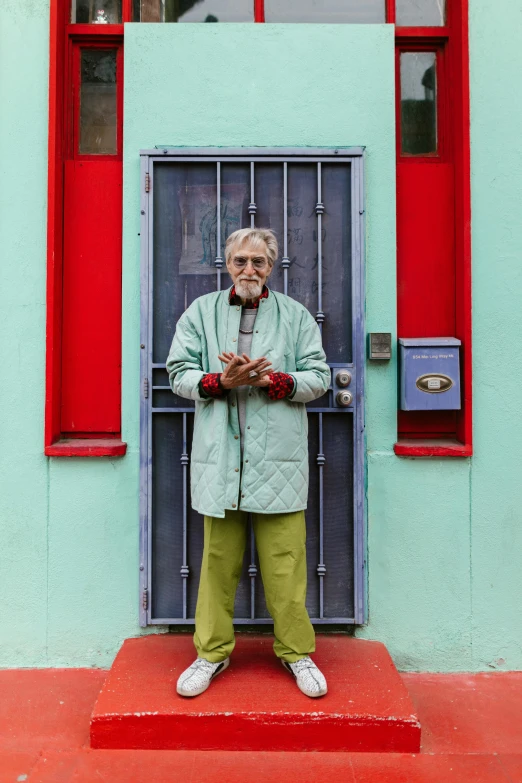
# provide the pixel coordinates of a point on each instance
(344, 398)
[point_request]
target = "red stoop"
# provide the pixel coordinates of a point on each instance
(255, 704)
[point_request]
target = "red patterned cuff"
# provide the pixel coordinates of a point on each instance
(281, 385)
(210, 385)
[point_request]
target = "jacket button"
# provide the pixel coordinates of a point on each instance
(233, 404)
(237, 308)
(247, 427)
(246, 460)
(237, 470)
(233, 339)
(242, 496)
(236, 437)
(233, 505)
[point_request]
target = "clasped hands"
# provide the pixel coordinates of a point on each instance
(238, 368)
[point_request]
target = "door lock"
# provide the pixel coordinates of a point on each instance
(343, 378)
(344, 398)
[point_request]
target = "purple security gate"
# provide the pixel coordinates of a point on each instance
(313, 199)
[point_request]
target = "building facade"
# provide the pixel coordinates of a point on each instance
(418, 103)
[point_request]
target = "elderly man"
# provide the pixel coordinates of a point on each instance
(250, 358)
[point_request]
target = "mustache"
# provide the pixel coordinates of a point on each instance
(249, 280)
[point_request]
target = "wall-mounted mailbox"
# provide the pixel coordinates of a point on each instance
(430, 373)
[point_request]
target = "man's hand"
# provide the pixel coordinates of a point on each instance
(238, 368)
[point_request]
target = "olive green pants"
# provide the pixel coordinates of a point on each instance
(281, 548)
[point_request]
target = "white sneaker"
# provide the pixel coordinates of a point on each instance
(309, 679)
(199, 675)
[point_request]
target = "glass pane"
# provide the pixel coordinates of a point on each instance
(337, 266)
(98, 102)
(418, 103)
(193, 10)
(334, 11)
(99, 12)
(420, 13)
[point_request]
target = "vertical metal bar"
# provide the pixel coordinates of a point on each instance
(319, 209)
(144, 403)
(321, 568)
(150, 354)
(285, 263)
(252, 571)
(357, 191)
(219, 259)
(252, 208)
(184, 567)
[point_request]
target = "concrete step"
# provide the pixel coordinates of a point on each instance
(255, 705)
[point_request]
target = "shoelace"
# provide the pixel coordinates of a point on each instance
(304, 663)
(202, 663)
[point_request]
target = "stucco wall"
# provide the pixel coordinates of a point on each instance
(444, 535)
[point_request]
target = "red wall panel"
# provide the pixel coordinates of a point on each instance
(91, 341)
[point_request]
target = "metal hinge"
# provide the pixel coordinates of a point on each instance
(146, 388)
(147, 182)
(145, 598)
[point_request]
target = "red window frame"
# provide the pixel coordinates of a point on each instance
(76, 44)
(451, 43)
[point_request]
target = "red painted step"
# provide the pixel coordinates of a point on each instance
(255, 704)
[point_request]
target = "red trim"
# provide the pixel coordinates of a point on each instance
(259, 10)
(126, 11)
(58, 11)
(426, 33)
(87, 447)
(432, 448)
(94, 31)
(390, 11)
(455, 129)
(62, 36)
(460, 65)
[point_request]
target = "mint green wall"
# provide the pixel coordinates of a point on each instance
(68, 557)
(444, 583)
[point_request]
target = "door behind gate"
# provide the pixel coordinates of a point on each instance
(192, 199)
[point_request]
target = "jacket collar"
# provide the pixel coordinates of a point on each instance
(234, 299)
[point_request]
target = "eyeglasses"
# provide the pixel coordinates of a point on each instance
(257, 263)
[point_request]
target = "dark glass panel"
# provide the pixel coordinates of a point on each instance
(418, 103)
(420, 13)
(167, 515)
(98, 110)
(333, 11)
(99, 12)
(337, 262)
(184, 244)
(193, 10)
(338, 515)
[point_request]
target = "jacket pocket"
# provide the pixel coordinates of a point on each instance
(286, 431)
(207, 432)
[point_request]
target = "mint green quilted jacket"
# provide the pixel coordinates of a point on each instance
(274, 476)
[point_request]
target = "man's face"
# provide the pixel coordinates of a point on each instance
(249, 268)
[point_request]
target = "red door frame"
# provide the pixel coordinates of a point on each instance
(63, 37)
(457, 63)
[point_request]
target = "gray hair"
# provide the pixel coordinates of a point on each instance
(254, 236)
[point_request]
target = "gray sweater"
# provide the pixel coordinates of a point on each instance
(244, 344)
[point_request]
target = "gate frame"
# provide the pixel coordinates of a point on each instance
(353, 155)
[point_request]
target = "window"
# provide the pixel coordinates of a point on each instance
(421, 13)
(332, 11)
(193, 11)
(418, 84)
